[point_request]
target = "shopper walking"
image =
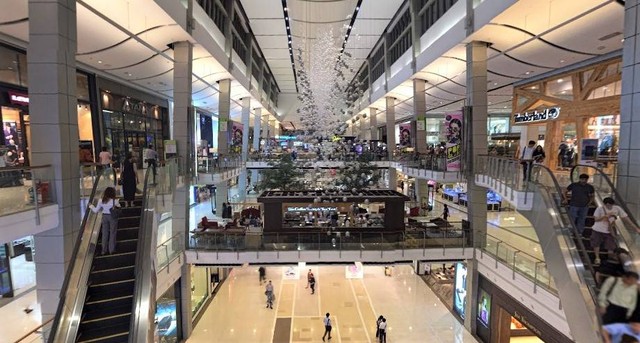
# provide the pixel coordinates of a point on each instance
(129, 180)
(378, 325)
(445, 212)
(582, 195)
(151, 157)
(269, 293)
(327, 326)
(109, 219)
(526, 159)
(263, 274)
(382, 331)
(309, 273)
(312, 283)
(618, 298)
(105, 158)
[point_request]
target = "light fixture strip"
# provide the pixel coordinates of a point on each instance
(351, 23)
(287, 25)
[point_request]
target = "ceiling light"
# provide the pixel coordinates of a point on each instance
(357, 8)
(287, 27)
(528, 72)
(495, 83)
(561, 61)
(99, 61)
(285, 9)
(560, 80)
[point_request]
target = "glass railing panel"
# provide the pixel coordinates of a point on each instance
(219, 163)
(27, 188)
(72, 297)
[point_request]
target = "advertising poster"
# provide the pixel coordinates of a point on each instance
(460, 289)
(484, 308)
(588, 151)
(405, 135)
(86, 151)
(236, 137)
(453, 137)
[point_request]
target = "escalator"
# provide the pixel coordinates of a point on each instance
(565, 255)
(110, 298)
(106, 315)
(627, 237)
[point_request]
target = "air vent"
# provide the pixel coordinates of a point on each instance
(609, 36)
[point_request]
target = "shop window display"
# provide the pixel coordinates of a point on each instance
(606, 130)
(166, 318)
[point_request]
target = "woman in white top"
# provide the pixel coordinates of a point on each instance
(109, 223)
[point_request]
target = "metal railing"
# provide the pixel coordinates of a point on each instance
(219, 163)
(26, 188)
(520, 262)
(144, 294)
(169, 250)
(74, 289)
(35, 335)
(346, 239)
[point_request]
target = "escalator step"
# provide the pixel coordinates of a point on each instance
(109, 301)
(122, 245)
(118, 333)
(105, 313)
(132, 221)
(115, 289)
(113, 261)
(112, 274)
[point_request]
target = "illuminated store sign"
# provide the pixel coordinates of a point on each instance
(310, 209)
(537, 116)
(18, 98)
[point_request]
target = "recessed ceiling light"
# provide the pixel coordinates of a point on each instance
(285, 9)
(561, 61)
(99, 61)
(529, 72)
(560, 80)
(495, 83)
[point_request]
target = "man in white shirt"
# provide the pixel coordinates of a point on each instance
(151, 157)
(526, 159)
(382, 330)
(605, 217)
(327, 327)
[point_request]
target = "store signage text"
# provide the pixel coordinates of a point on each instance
(18, 98)
(310, 209)
(523, 319)
(537, 115)
(131, 106)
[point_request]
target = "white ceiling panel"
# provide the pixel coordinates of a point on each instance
(262, 8)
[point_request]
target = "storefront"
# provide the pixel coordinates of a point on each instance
(448, 280)
(17, 268)
(574, 115)
(132, 120)
(14, 111)
(457, 194)
(500, 318)
(205, 282)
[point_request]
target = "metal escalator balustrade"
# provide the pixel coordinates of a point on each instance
(111, 298)
(565, 255)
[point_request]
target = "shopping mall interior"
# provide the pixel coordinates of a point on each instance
(319, 170)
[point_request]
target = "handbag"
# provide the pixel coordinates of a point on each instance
(115, 211)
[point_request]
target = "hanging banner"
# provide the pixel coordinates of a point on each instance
(223, 124)
(453, 135)
(421, 123)
(405, 135)
(236, 137)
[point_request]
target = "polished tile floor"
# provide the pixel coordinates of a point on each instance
(414, 314)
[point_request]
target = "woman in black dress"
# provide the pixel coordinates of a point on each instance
(129, 180)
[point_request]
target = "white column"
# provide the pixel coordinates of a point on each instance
(257, 121)
(391, 138)
(246, 112)
(224, 109)
(51, 58)
(222, 196)
(373, 124)
(183, 128)
(419, 115)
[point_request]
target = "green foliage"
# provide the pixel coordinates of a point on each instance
(285, 175)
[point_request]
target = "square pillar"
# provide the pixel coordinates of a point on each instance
(373, 124)
(51, 58)
(246, 112)
(419, 115)
(224, 110)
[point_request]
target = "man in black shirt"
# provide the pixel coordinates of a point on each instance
(582, 195)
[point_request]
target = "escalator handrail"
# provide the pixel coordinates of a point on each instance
(143, 311)
(620, 201)
(572, 226)
(74, 256)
